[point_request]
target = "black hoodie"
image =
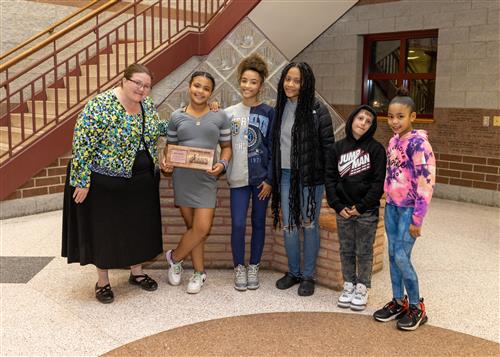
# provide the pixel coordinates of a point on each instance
(355, 169)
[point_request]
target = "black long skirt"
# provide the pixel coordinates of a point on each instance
(119, 223)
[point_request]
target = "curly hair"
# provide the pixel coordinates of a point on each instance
(302, 132)
(255, 63)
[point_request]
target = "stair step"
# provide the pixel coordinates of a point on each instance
(16, 134)
(131, 48)
(103, 59)
(4, 145)
(103, 70)
(82, 81)
(50, 106)
(15, 120)
(5, 141)
(62, 94)
(3, 150)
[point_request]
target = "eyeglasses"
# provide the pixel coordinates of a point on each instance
(140, 85)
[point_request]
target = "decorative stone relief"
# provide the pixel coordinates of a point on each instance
(222, 63)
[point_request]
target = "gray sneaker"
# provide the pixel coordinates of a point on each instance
(358, 302)
(253, 276)
(346, 297)
(240, 278)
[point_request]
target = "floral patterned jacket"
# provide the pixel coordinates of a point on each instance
(106, 139)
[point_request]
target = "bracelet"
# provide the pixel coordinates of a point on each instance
(224, 163)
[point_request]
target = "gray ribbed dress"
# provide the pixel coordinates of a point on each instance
(196, 188)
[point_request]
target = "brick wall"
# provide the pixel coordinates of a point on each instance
(49, 180)
(468, 171)
(218, 244)
(467, 153)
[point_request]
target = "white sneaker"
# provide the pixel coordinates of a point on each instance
(346, 297)
(240, 278)
(174, 270)
(253, 276)
(196, 282)
(360, 297)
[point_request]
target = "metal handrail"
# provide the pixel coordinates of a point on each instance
(49, 29)
(71, 76)
(49, 40)
(93, 29)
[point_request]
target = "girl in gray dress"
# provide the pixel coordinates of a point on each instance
(195, 190)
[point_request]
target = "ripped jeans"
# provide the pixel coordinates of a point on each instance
(310, 230)
(403, 275)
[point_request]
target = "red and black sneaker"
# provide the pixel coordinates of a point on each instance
(392, 310)
(415, 317)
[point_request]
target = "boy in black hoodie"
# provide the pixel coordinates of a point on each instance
(354, 181)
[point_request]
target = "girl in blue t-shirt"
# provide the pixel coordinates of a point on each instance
(250, 170)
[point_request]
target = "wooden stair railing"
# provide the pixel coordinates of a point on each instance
(42, 101)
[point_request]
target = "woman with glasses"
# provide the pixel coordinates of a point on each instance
(111, 216)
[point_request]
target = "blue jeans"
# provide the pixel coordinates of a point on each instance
(292, 234)
(403, 275)
(240, 198)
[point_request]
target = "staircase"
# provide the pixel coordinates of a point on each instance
(40, 100)
(38, 115)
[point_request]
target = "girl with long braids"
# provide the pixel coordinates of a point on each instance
(302, 137)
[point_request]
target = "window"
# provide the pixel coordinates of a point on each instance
(407, 59)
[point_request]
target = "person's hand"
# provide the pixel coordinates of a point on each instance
(216, 170)
(214, 106)
(415, 231)
(165, 167)
(80, 194)
(352, 211)
(265, 190)
(345, 213)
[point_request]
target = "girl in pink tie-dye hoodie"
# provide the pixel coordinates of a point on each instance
(409, 182)
(411, 169)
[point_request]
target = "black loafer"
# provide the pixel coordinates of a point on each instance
(306, 287)
(144, 281)
(287, 281)
(104, 294)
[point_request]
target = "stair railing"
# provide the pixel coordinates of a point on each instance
(44, 92)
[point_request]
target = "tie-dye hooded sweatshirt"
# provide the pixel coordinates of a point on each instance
(411, 172)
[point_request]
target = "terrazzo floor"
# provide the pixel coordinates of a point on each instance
(54, 312)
